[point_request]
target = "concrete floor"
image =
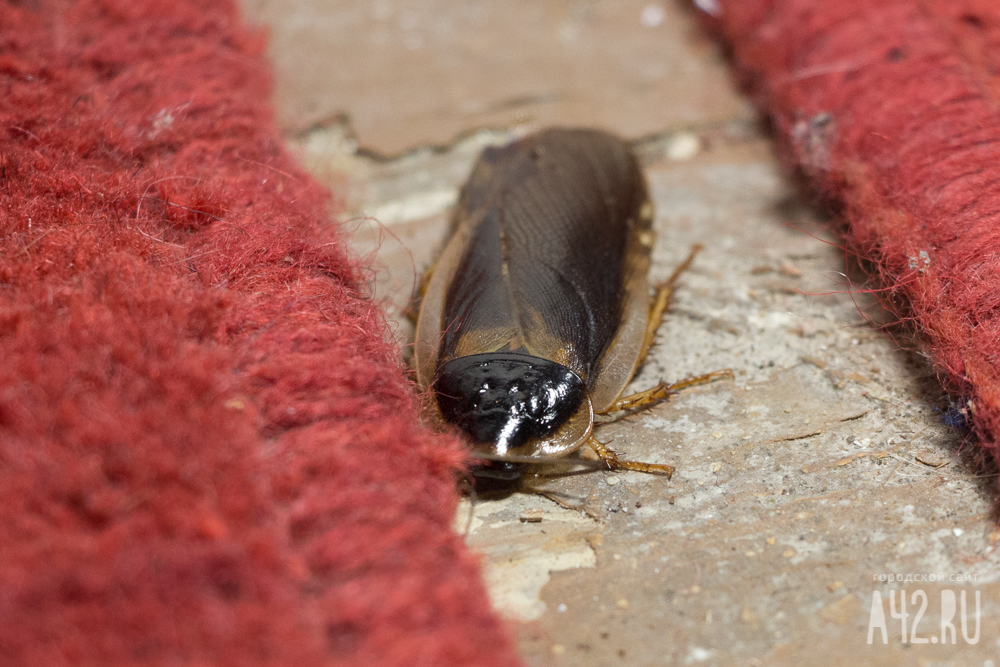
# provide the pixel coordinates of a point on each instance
(826, 466)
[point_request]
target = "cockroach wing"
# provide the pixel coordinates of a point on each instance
(427, 345)
(546, 266)
(619, 362)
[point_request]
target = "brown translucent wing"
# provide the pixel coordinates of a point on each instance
(430, 321)
(549, 223)
(481, 186)
(618, 364)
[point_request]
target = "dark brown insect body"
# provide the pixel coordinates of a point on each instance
(537, 313)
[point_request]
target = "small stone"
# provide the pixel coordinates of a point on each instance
(789, 269)
(533, 515)
(809, 328)
(562, 608)
(683, 146)
(771, 540)
(652, 16)
(622, 604)
(611, 481)
(789, 553)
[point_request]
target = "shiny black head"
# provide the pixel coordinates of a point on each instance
(506, 400)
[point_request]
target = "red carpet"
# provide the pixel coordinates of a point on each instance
(208, 455)
(892, 107)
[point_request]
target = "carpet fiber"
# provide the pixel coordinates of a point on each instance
(892, 108)
(208, 452)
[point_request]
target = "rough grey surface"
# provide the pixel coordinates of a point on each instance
(414, 72)
(824, 467)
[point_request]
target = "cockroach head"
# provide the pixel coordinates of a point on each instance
(505, 401)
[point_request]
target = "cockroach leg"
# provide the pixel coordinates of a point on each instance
(582, 507)
(412, 312)
(611, 460)
(664, 294)
(554, 497)
(647, 399)
(468, 484)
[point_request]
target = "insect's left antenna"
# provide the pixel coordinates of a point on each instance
(469, 485)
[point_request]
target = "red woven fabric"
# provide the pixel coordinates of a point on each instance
(208, 454)
(893, 108)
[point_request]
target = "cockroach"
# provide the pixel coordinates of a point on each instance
(539, 311)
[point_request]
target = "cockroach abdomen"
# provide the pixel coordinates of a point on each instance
(507, 399)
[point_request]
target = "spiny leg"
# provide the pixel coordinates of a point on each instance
(650, 397)
(643, 399)
(611, 460)
(664, 294)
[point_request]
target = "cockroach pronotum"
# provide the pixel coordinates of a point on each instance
(539, 311)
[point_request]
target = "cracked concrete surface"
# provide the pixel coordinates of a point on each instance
(523, 553)
(827, 465)
(425, 71)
